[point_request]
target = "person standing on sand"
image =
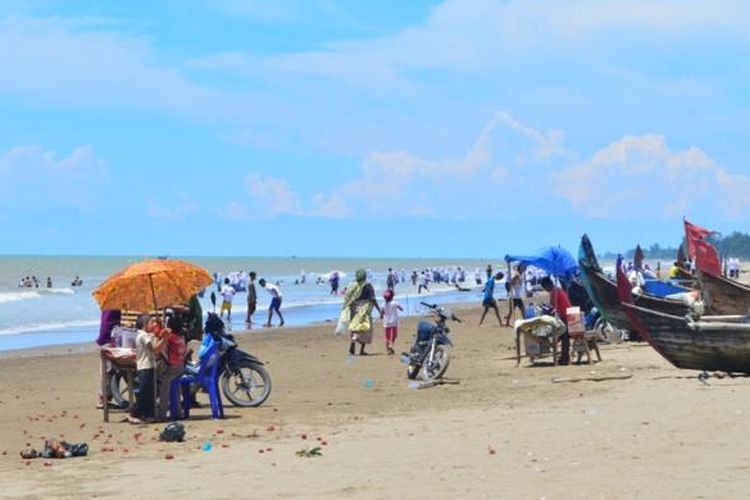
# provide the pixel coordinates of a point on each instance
(391, 311)
(148, 345)
(276, 299)
(175, 354)
(488, 299)
(360, 300)
(560, 302)
(252, 298)
(515, 298)
(109, 320)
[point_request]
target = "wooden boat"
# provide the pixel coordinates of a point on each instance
(716, 343)
(724, 296)
(603, 292)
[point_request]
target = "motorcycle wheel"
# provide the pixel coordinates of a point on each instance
(247, 386)
(118, 389)
(607, 332)
(436, 368)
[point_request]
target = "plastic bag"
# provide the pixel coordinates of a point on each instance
(343, 325)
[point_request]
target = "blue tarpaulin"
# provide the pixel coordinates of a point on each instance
(556, 261)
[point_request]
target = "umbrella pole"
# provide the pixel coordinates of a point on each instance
(156, 308)
(153, 292)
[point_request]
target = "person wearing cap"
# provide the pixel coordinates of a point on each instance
(360, 300)
(391, 310)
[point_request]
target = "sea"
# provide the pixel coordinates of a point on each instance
(63, 314)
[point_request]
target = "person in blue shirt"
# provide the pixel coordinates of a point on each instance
(488, 298)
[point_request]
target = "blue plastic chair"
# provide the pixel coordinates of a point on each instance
(207, 377)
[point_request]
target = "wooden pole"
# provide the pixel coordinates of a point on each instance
(105, 399)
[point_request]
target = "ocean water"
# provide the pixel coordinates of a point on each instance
(64, 314)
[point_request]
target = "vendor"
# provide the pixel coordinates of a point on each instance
(560, 302)
(110, 318)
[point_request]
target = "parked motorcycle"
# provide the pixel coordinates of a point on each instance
(429, 356)
(242, 377)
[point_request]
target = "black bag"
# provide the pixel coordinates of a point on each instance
(173, 433)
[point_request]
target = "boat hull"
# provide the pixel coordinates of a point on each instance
(696, 345)
(724, 296)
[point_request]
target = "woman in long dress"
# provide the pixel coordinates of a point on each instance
(358, 304)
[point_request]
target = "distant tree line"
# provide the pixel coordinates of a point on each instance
(736, 244)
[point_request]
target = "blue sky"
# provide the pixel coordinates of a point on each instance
(423, 128)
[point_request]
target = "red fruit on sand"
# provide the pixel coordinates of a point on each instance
(491, 450)
(225, 446)
(168, 456)
(28, 463)
(271, 428)
(219, 431)
(324, 443)
(125, 450)
(48, 464)
(303, 436)
(269, 449)
(261, 450)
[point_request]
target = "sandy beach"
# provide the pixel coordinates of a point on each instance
(502, 431)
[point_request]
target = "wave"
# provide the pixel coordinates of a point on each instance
(57, 291)
(44, 327)
(18, 296)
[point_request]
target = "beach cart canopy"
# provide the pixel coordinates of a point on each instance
(556, 261)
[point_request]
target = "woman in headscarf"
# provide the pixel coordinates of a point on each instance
(358, 304)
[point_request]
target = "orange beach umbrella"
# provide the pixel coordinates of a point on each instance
(152, 284)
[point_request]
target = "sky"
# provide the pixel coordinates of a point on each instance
(466, 128)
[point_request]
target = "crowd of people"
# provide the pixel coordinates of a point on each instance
(33, 282)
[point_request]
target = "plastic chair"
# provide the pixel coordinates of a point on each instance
(207, 377)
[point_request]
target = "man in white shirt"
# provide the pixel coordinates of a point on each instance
(275, 301)
(227, 294)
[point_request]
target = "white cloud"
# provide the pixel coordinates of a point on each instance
(272, 196)
(641, 176)
(84, 63)
(182, 208)
(235, 211)
(44, 178)
(330, 207)
(398, 183)
(483, 35)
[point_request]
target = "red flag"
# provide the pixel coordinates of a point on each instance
(694, 233)
(707, 258)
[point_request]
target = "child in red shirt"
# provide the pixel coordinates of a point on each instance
(175, 364)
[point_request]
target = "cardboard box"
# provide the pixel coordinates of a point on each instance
(575, 321)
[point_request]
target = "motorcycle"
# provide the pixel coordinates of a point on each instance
(605, 331)
(242, 377)
(429, 356)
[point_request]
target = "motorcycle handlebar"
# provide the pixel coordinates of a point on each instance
(435, 306)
